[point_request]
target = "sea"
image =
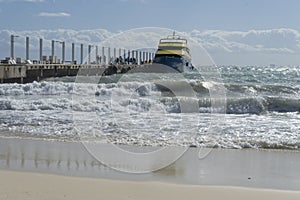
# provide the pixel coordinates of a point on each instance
(246, 107)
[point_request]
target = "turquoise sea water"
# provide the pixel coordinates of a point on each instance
(261, 108)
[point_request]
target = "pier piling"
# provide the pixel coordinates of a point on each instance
(63, 52)
(108, 56)
(41, 50)
(89, 53)
(73, 53)
(96, 54)
(12, 40)
(81, 53)
(115, 54)
(103, 60)
(27, 48)
(52, 51)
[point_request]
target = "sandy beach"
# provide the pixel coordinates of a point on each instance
(41, 170)
(37, 186)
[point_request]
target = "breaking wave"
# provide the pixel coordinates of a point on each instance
(58, 95)
(262, 107)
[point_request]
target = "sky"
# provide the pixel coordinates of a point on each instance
(183, 15)
(242, 32)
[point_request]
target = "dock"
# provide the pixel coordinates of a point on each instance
(104, 62)
(28, 73)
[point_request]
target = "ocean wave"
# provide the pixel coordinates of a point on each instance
(252, 89)
(36, 88)
(143, 103)
(250, 105)
(241, 98)
(199, 88)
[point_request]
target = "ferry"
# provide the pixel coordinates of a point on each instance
(174, 52)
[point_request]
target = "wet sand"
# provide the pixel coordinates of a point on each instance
(36, 169)
(36, 186)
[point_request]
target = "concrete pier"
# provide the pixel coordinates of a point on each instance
(26, 73)
(17, 70)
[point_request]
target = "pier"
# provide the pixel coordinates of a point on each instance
(105, 62)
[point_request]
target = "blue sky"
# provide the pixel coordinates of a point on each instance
(117, 15)
(248, 31)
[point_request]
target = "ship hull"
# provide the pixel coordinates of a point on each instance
(180, 64)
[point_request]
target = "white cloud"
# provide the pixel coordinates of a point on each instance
(273, 40)
(58, 14)
(279, 46)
